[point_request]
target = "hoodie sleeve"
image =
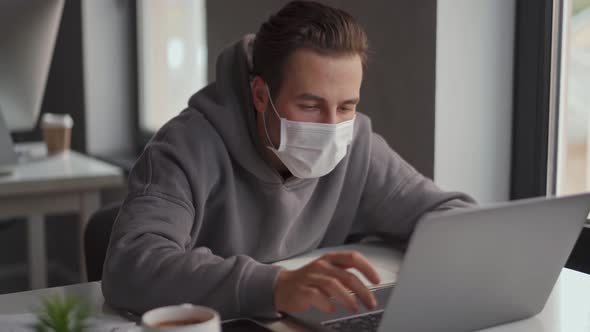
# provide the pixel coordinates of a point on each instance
(396, 196)
(150, 262)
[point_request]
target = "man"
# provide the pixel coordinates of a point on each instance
(270, 161)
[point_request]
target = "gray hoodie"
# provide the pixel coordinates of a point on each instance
(206, 214)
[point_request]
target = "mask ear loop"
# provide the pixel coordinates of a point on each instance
(264, 117)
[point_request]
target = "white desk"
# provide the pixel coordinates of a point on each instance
(41, 185)
(568, 308)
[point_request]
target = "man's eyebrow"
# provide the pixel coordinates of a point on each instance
(312, 97)
(352, 101)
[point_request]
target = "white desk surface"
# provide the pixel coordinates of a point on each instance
(41, 185)
(568, 308)
(66, 171)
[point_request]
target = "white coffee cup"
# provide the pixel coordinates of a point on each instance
(207, 319)
(57, 132)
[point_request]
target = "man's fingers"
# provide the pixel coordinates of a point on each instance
(318, 299)
(350, 281)
(353, 259)
(335, 289)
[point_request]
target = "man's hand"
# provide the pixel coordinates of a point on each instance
(325, 278)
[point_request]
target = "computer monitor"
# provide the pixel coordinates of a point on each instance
(28, 30)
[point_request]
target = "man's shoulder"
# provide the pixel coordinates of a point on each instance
(189, 127)
(189, 132)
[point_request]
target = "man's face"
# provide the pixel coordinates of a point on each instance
(319, 88)
(315, 88)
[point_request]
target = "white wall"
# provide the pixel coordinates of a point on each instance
(473, 108)
(107, 43)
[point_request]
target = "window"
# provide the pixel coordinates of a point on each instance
(573, 146)
(172, 55)
(550, 146)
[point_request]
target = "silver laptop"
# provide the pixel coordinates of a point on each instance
(470, 269)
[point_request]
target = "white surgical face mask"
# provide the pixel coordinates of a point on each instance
(310, 149)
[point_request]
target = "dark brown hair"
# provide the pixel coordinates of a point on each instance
(305, 24)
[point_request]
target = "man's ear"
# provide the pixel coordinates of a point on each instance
(259, 94)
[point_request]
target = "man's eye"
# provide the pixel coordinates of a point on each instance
(309, 107)
(346, 109)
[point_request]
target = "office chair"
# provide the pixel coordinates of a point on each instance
(96, 239)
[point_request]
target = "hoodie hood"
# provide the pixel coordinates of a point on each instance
(227, 104)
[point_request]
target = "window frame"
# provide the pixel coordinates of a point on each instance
(536, 97)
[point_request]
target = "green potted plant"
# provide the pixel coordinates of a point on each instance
(62, 314)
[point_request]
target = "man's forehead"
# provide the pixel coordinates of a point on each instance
(308, 72)
(313, 58)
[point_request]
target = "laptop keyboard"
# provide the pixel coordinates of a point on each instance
(365, 323)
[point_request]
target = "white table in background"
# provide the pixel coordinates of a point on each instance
(42, 185)
(567, 310)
